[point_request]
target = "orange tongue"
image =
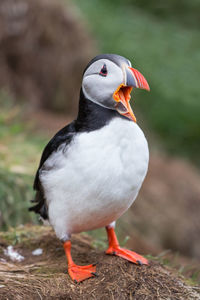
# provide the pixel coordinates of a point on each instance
(122, 98)
(121, 95)
(129, 113)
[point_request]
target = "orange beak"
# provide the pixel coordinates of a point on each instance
(122, 94)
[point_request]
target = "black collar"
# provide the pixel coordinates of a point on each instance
(92, 116)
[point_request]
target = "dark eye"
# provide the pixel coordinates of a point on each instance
(103, 71)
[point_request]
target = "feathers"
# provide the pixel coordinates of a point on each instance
(90, 117)
(65, 135)
(91, 170)
(93, 181)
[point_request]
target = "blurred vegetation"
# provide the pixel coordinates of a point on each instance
(19, 147)
(181, 11)
(162, 40)
(19, 155)
(15, 194)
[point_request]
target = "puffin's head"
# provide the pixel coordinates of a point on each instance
(108, 81)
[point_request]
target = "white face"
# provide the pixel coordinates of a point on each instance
(100, 88)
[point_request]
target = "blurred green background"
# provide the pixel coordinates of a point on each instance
(160, 38)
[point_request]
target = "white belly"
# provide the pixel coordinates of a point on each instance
(93, 182)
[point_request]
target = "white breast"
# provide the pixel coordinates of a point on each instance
(93, 182)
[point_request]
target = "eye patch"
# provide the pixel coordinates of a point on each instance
(103, 71)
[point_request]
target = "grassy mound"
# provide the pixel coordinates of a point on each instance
(45, 276)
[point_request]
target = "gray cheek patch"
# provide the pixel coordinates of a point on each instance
(100, 89)
(109, 102)
(100, 93)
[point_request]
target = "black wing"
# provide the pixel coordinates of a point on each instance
(65, 135)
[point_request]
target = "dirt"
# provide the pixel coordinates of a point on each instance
(46, 277)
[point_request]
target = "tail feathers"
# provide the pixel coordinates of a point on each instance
(40, 207)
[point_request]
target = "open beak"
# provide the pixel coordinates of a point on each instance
(134, 79)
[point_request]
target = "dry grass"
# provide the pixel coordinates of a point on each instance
(45, 276)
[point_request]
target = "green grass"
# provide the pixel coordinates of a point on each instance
(167, 53)
(20, 151)
(15, 195)
(183, 12)
(22, 234)
(20, 147)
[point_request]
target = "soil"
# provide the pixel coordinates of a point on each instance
(46, 277)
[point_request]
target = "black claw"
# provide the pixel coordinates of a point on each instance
(75, 281)
(95, 274)
(114, 253)
(95, 264)
(139, 262)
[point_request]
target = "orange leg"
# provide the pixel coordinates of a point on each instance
(115, 249)
(78, 273)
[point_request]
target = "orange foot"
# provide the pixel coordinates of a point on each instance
(80, 273)
(128, 255)
(115, 249)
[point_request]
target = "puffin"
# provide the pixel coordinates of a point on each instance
(91, 171)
